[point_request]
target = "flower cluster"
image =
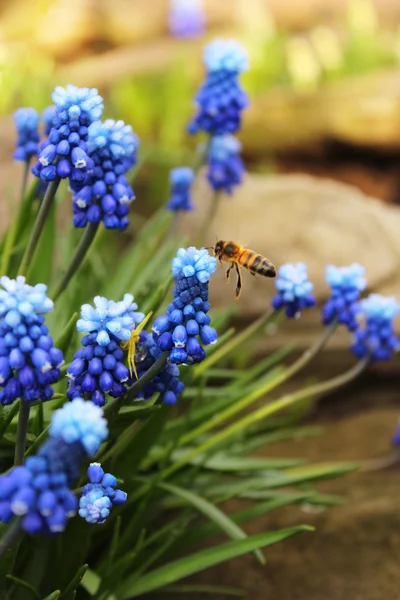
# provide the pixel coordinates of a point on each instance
(40, 491)
(27, 145)
(29, 362)
(99, 495)
(186, 319)
(294, 289)
(346, 284)
(97, 368)
(180, 180)
(105, 192)
(186, 18)
(377, 339)
(64, 153)
(221, 100)
(225, 165)
(167, 382)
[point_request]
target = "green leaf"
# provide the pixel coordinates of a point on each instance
(224, 462)
(65, 338)
(219, 590)
(24, 584)
(54, 595)
(183, 567)
(75, 581)
(42, 263)
(7, 415)
(212, 512)
(91, 582)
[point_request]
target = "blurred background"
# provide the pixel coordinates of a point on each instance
(321, 143)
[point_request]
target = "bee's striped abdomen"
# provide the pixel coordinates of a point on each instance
(257, 264)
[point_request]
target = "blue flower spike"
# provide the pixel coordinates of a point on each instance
(346, 285)
(105, 194)
(100, 495)
(98, 367)
(27, 145)
(65, 153)
(294, 290)
(377, 339)
(180, 179)
(186, 18)
(40, 491)
(225, 165)
(29, 362)
(221, 100)
(186, 325)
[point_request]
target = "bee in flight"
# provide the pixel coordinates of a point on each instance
(234, 253)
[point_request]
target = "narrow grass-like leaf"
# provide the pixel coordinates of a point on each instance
(7, 415)
(91, 582)
(56, 594)
(224, 462)
(24, 584)
(212, 512)
(176, 570)
(64, 339)
(75, 581)
(215, 590)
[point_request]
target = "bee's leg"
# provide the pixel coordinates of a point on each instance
(238, 283)
(228, 271)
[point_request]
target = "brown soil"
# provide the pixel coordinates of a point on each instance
(353, 554)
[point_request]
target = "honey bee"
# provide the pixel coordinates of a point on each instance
(235, 254)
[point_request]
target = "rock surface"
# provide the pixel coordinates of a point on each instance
(299, 218)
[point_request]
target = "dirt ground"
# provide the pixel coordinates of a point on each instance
(353, 554)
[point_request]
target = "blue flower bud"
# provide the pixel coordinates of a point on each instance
(63, 169)
(121, 373)
(79, 158)
(95, 472)
(161, 325)
(165, 341)
(208, 335)
(16, 359)
(109, 361)
(106, 381)
(95, 366)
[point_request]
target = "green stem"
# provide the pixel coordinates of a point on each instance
(22, 430)
(133, 391)
(238, 340)
(76, 261)
(268, 410)
(11, 536)
(269, 385)
(38, 226)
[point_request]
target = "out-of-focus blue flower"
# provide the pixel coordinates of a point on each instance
(47, 117)
(225, 165)
(27, 145)
(110, 318)
(221, 100)
(29, 362)
(80, 421)
(97, 370)
(186, 325)
(64, 153)
(377, 339)
(346, 284)
(294, 289)
(186, 18)
(105, 193)
(180, 180)
(99, 495)
(167, 382)
(40, 491)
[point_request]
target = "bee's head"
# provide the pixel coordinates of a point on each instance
(219, 247)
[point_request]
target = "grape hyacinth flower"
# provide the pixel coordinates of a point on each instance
(29, 362)
(64, 153)
(105, 193)
(27, 145)
(97, 368)
(346, 284)
(186, 319)
(377, 339)
(221, 100)
(225, 165)
(40, 491)
(100, 495)
(167, 382)
(294, 289)
(180, 180)
(186, 18)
